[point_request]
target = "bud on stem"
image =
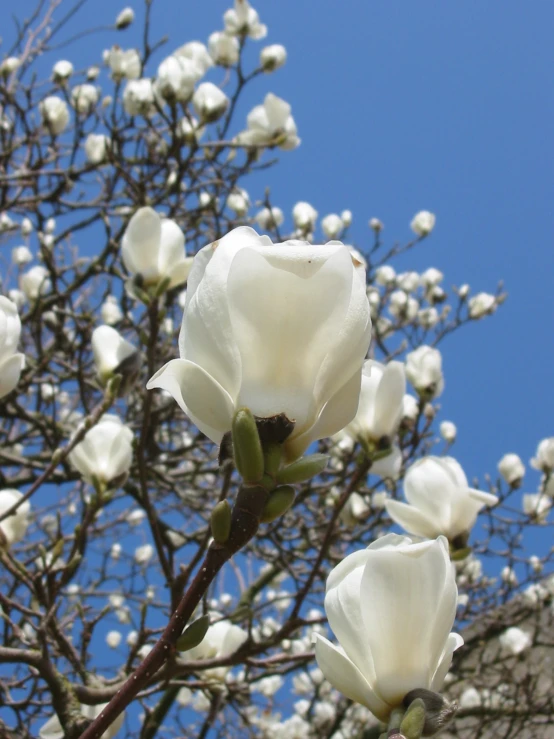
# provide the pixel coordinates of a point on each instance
(303, 469)
(193, 634)
(220, 522)
(247, 447)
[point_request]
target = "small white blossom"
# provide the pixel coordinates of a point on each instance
(482, 304)
(448, 431)
(269, 218)
(138, 97)
(123, 64)
(304, 216)
(512, 469)
(376, 225)
(272, 57)
(54, 113)
(113, 639)
(210, 103)
(243, 20)
(125, 18)
(97, 146)
(332, 225)
(385, 275)
(224, 49)
(62, 71)
(515, 640)
(544, 459)
(21, 255)
(84, 97)
(423, 223)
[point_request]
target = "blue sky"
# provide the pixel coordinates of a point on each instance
(403, 106)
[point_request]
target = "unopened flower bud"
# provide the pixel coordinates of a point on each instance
(220, 522)
(303, 469)
(438, 711)
(278, 503)
(249, 457)
(125, 18)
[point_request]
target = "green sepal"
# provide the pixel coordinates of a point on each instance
(279, 501)
(193, 634)
(247, 447)
(220, 522)
(303, 469)
(414, 720)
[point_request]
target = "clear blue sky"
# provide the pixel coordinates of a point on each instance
(446, 106)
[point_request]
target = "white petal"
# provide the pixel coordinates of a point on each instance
(454, 641)
(172, 247)
(10, 371)
(198, 394)
(277, 111)
(389, 400)
(181, 271)
(411, 519)
(141, 243)
(346, 678)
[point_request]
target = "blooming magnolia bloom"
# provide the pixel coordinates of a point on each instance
(9, 65)
(515, 640)
(242, 343)
(62, 71)
(123, 64)
(269, 218)
(52, 729)
(125, 18)
(391, 607)
(14, 527)
(224, 49)
(176, 78)
(109, 349)
(239, 202)
(537, 506)
(54, 113)
(198, 53)
(448, 431)
(221, 640)
(110, 311)
(511, 468)
(423, 223)
(332, 225)
(424, 371)
(106, 452)
(84, 98)
(545, 456)
(381, 403)
(209, 102)
(431, 277)
(271, 124)
(408, 281)
(482, 304)
(385, 275)
(21, 255)
(403, 307)
(97, 146)
(154, 248)
(35, 282)
(440, 500)
(272, 57)
(11, 362)
(304, 216)
(243, 20)
(138, 97)
(428, 317)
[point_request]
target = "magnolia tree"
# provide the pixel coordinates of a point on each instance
(228, 504)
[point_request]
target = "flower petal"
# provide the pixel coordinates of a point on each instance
(141, 242)
(411, 519)
(172, 247)
(453, 642)
(10, 371)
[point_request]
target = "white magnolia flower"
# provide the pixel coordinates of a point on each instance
(26, 227)
(138, 97)
(106, 452)
(125, 18)
(52, 729)
(271, 124)
(238, 201)
(381, 403)
(97, 146)
(113, 639)
(243, 20)
(508, 575)
(410, 408)
(423, 223)
(304, 216)
(537, 506)
(512, 469)
(385, 275)
(346, 218)
(424, 371)
(332, 225)
(222, 639)
(209, 102)
(269, 218)
(35, 282)
(402, 306)
(110, 311)
(448, 431)
(431, 277)
(428, 317)
(224, 49)
(355, 510)
(391, 607)
(62, 71)
(11, 362)
(84, 97)
(242, 343)
(144, 554)
(54, 113)
(176, 78)
(545, 456)
(154, 248)
(14, 527)
(272, 57)
(482, 304)
(190, 130)
(109, 349)
(408, 281)
(21, 255)
(198, 53)
(9, 65)
(515, 640)
(440, 500)
(376, 225)
(123, 64)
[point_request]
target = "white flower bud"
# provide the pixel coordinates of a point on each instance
(123, 64)
(26, 226)
(14, 527)
(35, 282)
(224, 49)
(97, 146)
(243, 20)
(21, 255)
(512, 469)
(537, 506)
(210, 103)
(304, 216)
(138, 97)
(269, 218)
(514, 640)
(544, 460)
(54, 113)
(110, 311)
(332, 225)
(431, 277)
(125, 18)
(424, 371)
(376, 225)
(463, 291)
(423, 223)
(113, 639)
(385, 275)
(448, 431)
(272, 57)
(62, 71)
(346, 218)
(144, 554)
(9, 65)
(481, 305)
(239, 202)
(84, 97)
(408, 281)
